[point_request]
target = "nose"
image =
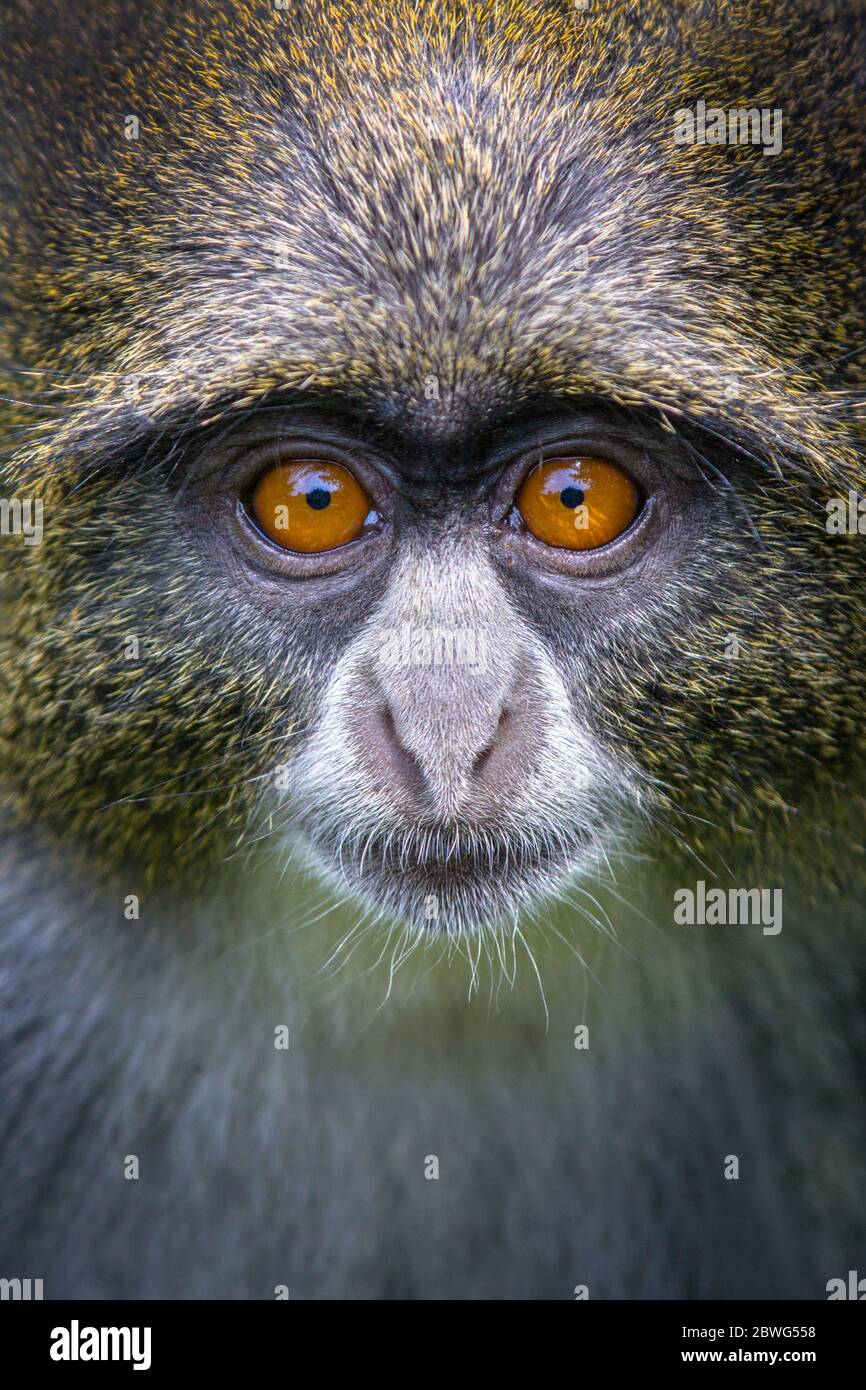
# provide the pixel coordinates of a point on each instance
(447, 744)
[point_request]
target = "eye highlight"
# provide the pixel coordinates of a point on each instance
(577, 503)
(310, 505)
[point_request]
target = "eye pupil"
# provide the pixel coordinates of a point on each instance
(318, 498)
(571, 497)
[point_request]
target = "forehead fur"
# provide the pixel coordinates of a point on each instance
(369, 196)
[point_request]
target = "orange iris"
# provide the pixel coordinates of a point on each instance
(310, 505)
(577, 503)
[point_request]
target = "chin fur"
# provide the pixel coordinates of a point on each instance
(453, 880)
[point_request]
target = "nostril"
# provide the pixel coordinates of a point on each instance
(396, 755)
(499, 734)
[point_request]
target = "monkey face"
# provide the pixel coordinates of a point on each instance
(453, 632)
(447, 767)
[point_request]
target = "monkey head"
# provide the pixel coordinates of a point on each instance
(434, 453)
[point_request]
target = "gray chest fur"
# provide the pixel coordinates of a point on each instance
(312, 1166)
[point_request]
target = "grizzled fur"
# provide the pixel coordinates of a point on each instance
(330, 204)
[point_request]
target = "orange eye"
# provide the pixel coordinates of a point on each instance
(577, 503)
(310, 505)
